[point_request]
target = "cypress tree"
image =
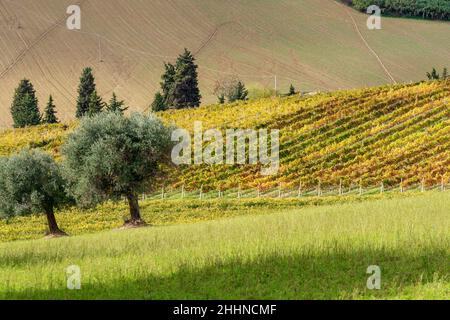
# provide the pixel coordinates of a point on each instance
(168, 84)
(186, 93)
(50, 112)
(158, 103)
(434, 75)
(239, 93)
(221, 99)
(116, 105)
(24, 108)
(85, 90)
(445, 74)
(292, 90)
(95, 104)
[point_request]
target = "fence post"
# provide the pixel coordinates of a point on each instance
(182, 191)
(319, 189)
(401, 185)
(300, 190)
(162, 193)
(239, 192)
(422, 187)
(201, 192)
(442, 184)
(382, 188)
(360, 187)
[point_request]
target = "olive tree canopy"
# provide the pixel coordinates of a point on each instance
(110, 156)
(30, 182)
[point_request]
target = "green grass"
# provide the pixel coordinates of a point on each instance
(315, 252)
(163, 213)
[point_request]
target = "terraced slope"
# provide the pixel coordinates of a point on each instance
(368, 136)
(364, 136)
(315, 44)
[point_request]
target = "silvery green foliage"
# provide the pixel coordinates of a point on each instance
(30, 182)
(110, 155)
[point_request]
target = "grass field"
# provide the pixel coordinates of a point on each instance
(285, 253)
(163, 213)
(313, 44)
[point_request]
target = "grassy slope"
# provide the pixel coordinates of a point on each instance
(370, 135)
(163, 213)
(317, 252)
(311, 43)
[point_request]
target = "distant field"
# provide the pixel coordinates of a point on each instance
(293, 253)
(313, 44)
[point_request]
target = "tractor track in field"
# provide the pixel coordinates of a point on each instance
(34, 43)
(374, 53)
(211, 37)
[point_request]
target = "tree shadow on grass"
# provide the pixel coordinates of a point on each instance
(326, 276)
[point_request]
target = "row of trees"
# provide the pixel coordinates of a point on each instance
(427, 9)
(434, 75)
(179, 90)
(179, 86)
(89, 103)
(109, 156)
(25, 110)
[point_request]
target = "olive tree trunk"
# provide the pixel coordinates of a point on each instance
(52, 224)
(135, 212)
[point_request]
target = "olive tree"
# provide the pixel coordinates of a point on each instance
(110, 156)
(31, 183)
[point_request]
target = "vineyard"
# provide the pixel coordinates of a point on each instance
(365, 137)
(390, 135)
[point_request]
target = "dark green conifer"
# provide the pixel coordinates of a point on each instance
(292, 90)
(50, 112)
(24, 108)
(85, 90)
(186, 93)
(116, 105)
(158, 103)
(95, 105)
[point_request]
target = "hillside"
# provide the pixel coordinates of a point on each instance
(315, 44)
(366, 136)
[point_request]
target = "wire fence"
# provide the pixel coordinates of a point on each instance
(291, 193)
